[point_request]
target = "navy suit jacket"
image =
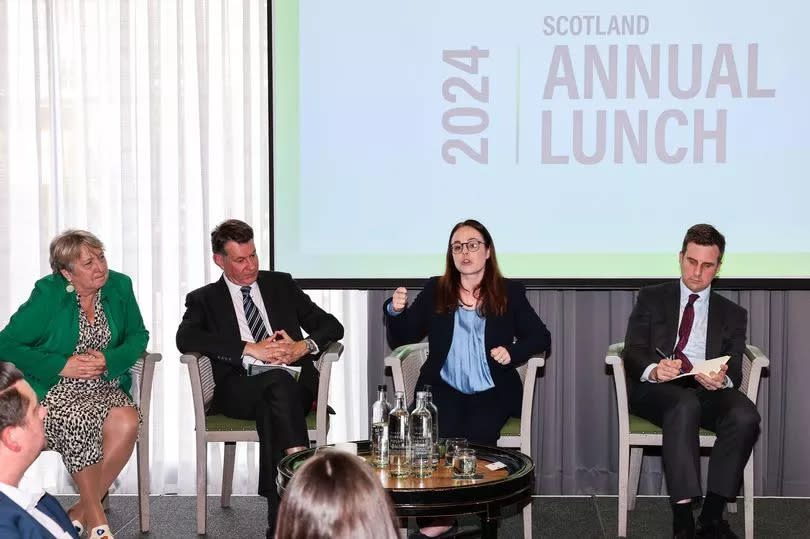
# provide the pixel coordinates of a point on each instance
(654, 323)
(15, 522)
(209, 325)
(519, 330)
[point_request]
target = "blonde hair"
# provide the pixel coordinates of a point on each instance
(65, 248)
(335, 495)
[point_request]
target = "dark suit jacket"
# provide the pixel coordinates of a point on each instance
(209, 325)
(15, 522)
(519, 330)
(654, 323)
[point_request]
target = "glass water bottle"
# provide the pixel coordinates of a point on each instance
(421, 438)
(434, 414)
(379, 429)
(399, 459)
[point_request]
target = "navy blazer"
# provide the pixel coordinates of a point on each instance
(209, 325)
(519, 330)
(654, 324)
(15, 522)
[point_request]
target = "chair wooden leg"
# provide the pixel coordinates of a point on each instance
(748, 497)
(202, 484)
(527, 521)
(635, 472)
(227, 473)
(143, 481)
(624, 463)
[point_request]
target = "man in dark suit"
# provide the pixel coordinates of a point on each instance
(34, 515)
(687, 323)
(248, 322)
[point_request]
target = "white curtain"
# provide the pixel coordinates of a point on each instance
(146, 122)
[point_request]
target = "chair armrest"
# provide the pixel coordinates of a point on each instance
(192, 360)
(330, 356)
(535, 362)
(614, 359)
(758, 361)
(191, 357)
(147, 362)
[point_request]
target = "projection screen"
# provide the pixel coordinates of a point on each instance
(587, 138)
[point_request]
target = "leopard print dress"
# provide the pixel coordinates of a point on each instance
(77, 408)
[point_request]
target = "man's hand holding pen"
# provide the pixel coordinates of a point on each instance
(667, 368)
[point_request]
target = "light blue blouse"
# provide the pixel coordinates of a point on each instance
(466, 366)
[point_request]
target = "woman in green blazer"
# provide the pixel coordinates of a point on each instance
(75, 340)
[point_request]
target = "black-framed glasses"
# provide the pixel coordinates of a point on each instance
(472, 246)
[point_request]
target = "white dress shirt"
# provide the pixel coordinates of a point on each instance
(239, 308)
(28, 501)
(695, 348)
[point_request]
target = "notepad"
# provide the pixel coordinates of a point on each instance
(706, 367)
(293, 371)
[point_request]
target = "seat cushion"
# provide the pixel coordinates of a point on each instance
(512, 427)
(219, 422)
(639, 425)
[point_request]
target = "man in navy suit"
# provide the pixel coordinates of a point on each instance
(24, 514)
(673, 327)
(249, 320)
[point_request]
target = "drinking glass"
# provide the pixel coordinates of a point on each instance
(464, 463)
(451, 445)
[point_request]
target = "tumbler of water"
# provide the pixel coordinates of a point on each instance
(464, 463)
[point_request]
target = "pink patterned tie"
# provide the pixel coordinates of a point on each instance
(683, 333)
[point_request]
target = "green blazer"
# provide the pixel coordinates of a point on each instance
(42, 334)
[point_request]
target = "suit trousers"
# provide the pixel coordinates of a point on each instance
(279, 405)
(680, 408)
(478, 417)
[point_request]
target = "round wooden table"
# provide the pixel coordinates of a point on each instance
(440, 494)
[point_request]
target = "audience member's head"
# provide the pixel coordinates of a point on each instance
(335, 495)
(22, 434)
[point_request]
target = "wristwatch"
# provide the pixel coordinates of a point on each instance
(312, 347)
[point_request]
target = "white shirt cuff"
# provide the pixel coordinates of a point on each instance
(645, 376)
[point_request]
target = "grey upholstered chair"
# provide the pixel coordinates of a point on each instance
(220, 428)
(406, 362)
(635, 433)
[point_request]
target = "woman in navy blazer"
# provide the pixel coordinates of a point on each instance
(480, 327)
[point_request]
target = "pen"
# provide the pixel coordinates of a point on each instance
(661, 354)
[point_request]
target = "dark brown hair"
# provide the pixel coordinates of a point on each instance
(704, 234)
(335, 495)
(13, 404)
(230, 230)
(492, 290)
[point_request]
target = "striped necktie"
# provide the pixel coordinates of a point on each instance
(253, 317)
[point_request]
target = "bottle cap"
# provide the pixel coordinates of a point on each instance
(382, 387)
